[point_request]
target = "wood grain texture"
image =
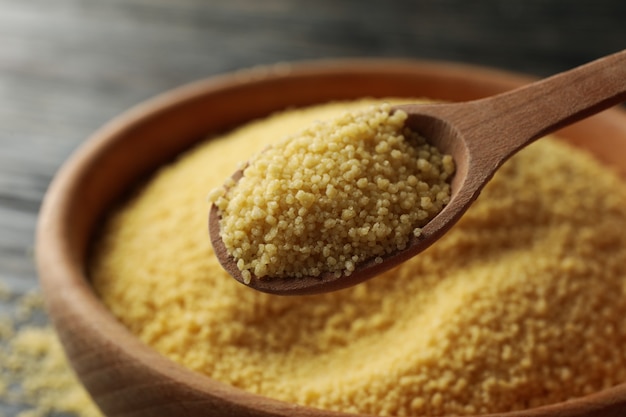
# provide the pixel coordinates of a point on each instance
(68, 66)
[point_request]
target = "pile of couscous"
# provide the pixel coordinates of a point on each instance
(521, 304)
(340, 192)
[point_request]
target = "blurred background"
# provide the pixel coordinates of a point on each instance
(68, 66)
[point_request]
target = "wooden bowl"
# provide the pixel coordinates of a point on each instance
(126, 377)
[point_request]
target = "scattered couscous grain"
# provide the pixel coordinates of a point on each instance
(337, 193)
(521, 304)
(36, 379)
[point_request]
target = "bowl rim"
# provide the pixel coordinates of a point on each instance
(74, 308)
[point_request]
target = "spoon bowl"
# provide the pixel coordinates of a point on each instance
(480, 135)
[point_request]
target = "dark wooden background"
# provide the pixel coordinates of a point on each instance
(68, 66)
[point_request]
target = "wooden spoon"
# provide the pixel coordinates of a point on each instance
(480, 135)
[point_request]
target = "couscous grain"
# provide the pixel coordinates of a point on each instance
(333, 195)
(521, 304)
(36, 379)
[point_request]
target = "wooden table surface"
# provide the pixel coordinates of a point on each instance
(68, 66)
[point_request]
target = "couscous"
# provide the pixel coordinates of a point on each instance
(342, 191)
(521, 304)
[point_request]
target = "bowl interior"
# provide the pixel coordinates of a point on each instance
(124, 376)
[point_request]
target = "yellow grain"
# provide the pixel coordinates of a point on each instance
(322, 189)
(521, 304)
(36, 379)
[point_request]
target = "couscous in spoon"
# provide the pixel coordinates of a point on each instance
(480, 135)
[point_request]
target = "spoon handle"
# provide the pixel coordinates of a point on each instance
(507, 122)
